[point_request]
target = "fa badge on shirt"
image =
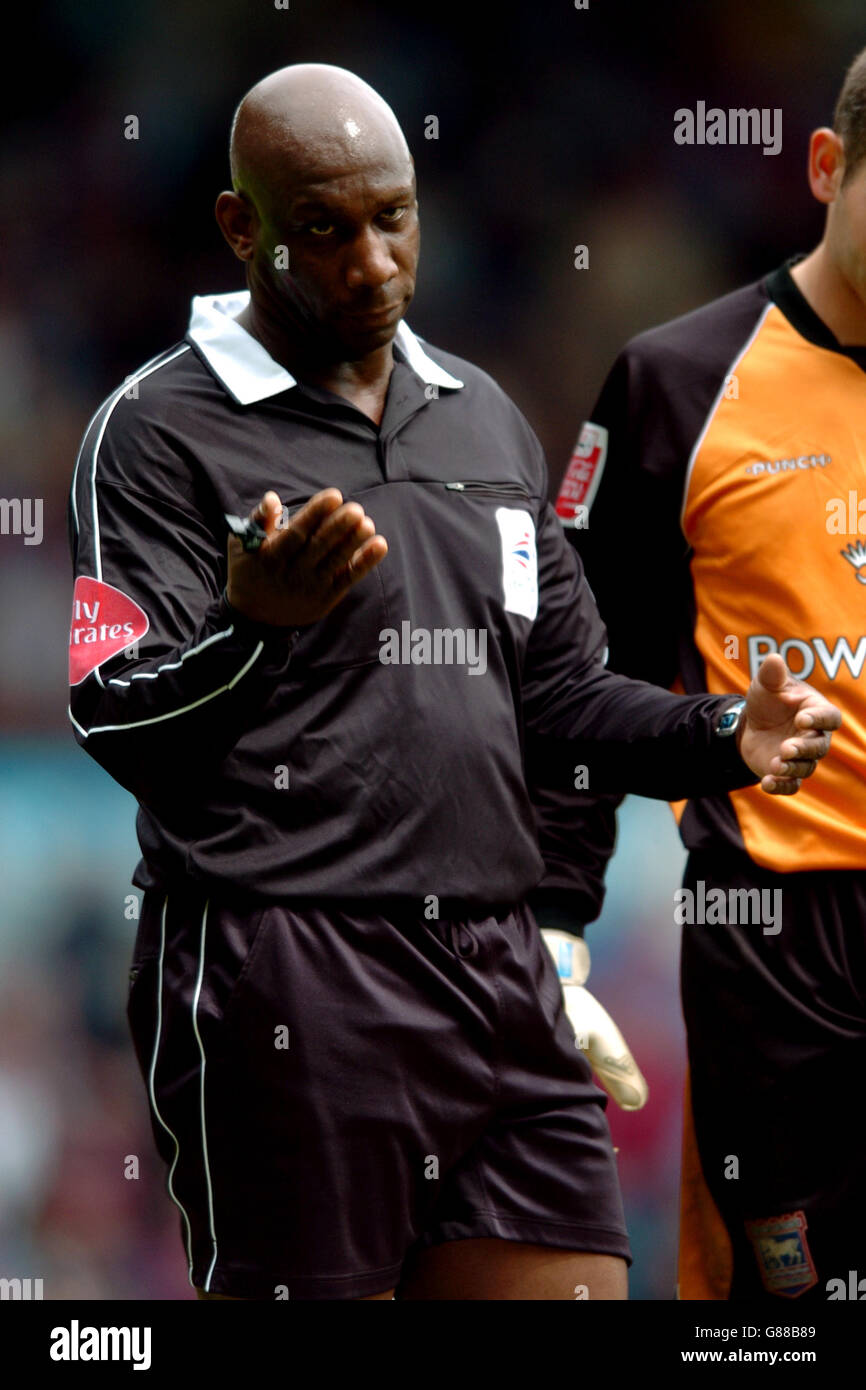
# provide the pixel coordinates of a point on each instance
(519, 561)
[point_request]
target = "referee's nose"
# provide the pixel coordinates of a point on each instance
(370, 261)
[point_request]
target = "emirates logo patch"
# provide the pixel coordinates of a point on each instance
(104, 621)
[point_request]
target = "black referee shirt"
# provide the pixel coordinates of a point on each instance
(391, 750)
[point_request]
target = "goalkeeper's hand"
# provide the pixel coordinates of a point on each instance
(597, 1034)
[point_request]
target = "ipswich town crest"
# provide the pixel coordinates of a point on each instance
(783, 1254)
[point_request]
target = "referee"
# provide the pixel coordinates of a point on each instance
(732, 442)
(361, 1075)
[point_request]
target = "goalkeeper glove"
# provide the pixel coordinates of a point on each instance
(596, 1033)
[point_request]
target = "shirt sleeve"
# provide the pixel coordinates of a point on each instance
(619, 507)
(576, 837)
(626, 478)
(165, 676)
(576, 833)
(631, 546)
(628, 735)
(576, 787)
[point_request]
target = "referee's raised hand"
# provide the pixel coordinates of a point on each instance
(786, 729)
(301, 571)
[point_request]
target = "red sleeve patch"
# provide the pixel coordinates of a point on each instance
(582, 476)
(104, 621)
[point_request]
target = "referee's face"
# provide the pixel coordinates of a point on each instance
(347, 224)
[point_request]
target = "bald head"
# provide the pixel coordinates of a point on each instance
(310, 121)
(323, 213)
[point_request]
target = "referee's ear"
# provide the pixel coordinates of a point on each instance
(236, 219)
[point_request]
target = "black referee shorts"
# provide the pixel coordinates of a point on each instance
(776, 1024)
(333, 1092)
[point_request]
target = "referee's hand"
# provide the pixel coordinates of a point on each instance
(786, 729)
(301, 571)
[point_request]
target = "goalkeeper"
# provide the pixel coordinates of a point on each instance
(731, 441)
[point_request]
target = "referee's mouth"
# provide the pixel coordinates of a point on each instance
(378, 318)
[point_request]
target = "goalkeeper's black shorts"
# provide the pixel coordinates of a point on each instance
(333, 1092)
(776, 1017)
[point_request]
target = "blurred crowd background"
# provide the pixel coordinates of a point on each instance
(555, 129)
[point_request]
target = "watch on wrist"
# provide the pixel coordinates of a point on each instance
(730, 720)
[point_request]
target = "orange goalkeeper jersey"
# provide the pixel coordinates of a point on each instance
(717, 498)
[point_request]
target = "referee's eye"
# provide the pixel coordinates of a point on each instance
(321, 228)
(392, 214)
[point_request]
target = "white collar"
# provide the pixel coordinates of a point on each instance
(247, 370)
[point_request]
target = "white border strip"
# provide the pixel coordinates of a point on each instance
(174, 665)
(172, 714)
(714, 407)
(118, 395)
(152, 1092)
(94, 417)
(108, 405)
(206, 1285)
